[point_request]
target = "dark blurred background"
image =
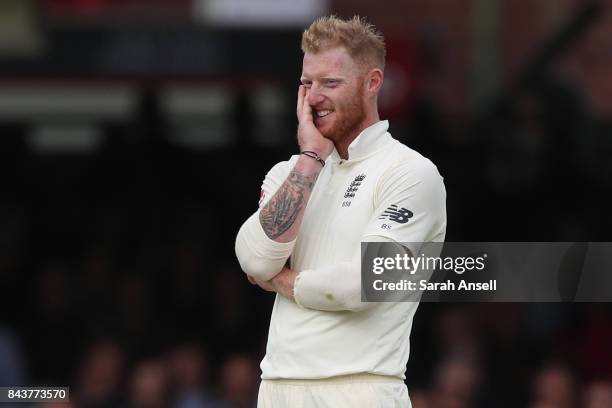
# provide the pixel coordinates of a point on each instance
(134, 138)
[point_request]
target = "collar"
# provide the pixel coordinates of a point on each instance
(367, 142)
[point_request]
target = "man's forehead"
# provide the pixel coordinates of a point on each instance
(333, 61)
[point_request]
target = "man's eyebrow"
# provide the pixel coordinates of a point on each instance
(332, 79)
(302, 79)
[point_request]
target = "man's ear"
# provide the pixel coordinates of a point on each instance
(375, 80)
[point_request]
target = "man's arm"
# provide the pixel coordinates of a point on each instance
(283, 283)
(282, 216)
(266, 239)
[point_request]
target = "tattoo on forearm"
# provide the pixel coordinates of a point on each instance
(279, 214)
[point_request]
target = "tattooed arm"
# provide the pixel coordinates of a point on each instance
(282, 216)
(260, 256)
(265, 241)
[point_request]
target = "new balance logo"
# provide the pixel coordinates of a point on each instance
(352, 188)
(401, 215)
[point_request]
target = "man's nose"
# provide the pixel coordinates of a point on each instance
(314, 96)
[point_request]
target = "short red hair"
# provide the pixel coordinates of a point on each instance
(361, 39)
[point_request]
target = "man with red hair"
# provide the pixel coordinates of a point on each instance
(351, 183)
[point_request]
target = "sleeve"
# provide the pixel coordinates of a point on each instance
(258, 255)
(409, 208)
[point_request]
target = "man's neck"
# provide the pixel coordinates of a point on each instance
(343, 145)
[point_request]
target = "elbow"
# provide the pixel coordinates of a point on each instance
(258, 268)
(252, 264)
(259, 261)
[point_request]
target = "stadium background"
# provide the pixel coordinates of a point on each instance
(134, 137)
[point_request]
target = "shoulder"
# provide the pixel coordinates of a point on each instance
(406, 163)
(408, 175)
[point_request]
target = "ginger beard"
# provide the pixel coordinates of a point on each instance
(347, 115)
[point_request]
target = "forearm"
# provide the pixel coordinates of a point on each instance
(336, 287)
(283, 283)
(332, 288)
(266, 239)
(313, 289)
(282, 216)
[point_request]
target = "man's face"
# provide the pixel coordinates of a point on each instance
(335, 92)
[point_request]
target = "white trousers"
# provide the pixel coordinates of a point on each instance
(350, 391)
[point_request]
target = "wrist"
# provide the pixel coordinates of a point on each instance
(283, 283)
(321, 152)
(314, 156)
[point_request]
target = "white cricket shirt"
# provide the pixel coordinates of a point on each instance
(328, 331)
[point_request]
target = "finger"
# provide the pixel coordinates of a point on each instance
(306, 108)
(300, 101)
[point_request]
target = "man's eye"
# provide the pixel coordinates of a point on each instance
(331, 83)
(307, 85)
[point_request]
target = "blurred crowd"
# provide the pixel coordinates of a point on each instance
(462, 355)
(510, 355)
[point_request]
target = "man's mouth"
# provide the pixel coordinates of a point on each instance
(322, 113)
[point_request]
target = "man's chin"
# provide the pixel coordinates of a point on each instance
(328, 132)
(331, 137)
